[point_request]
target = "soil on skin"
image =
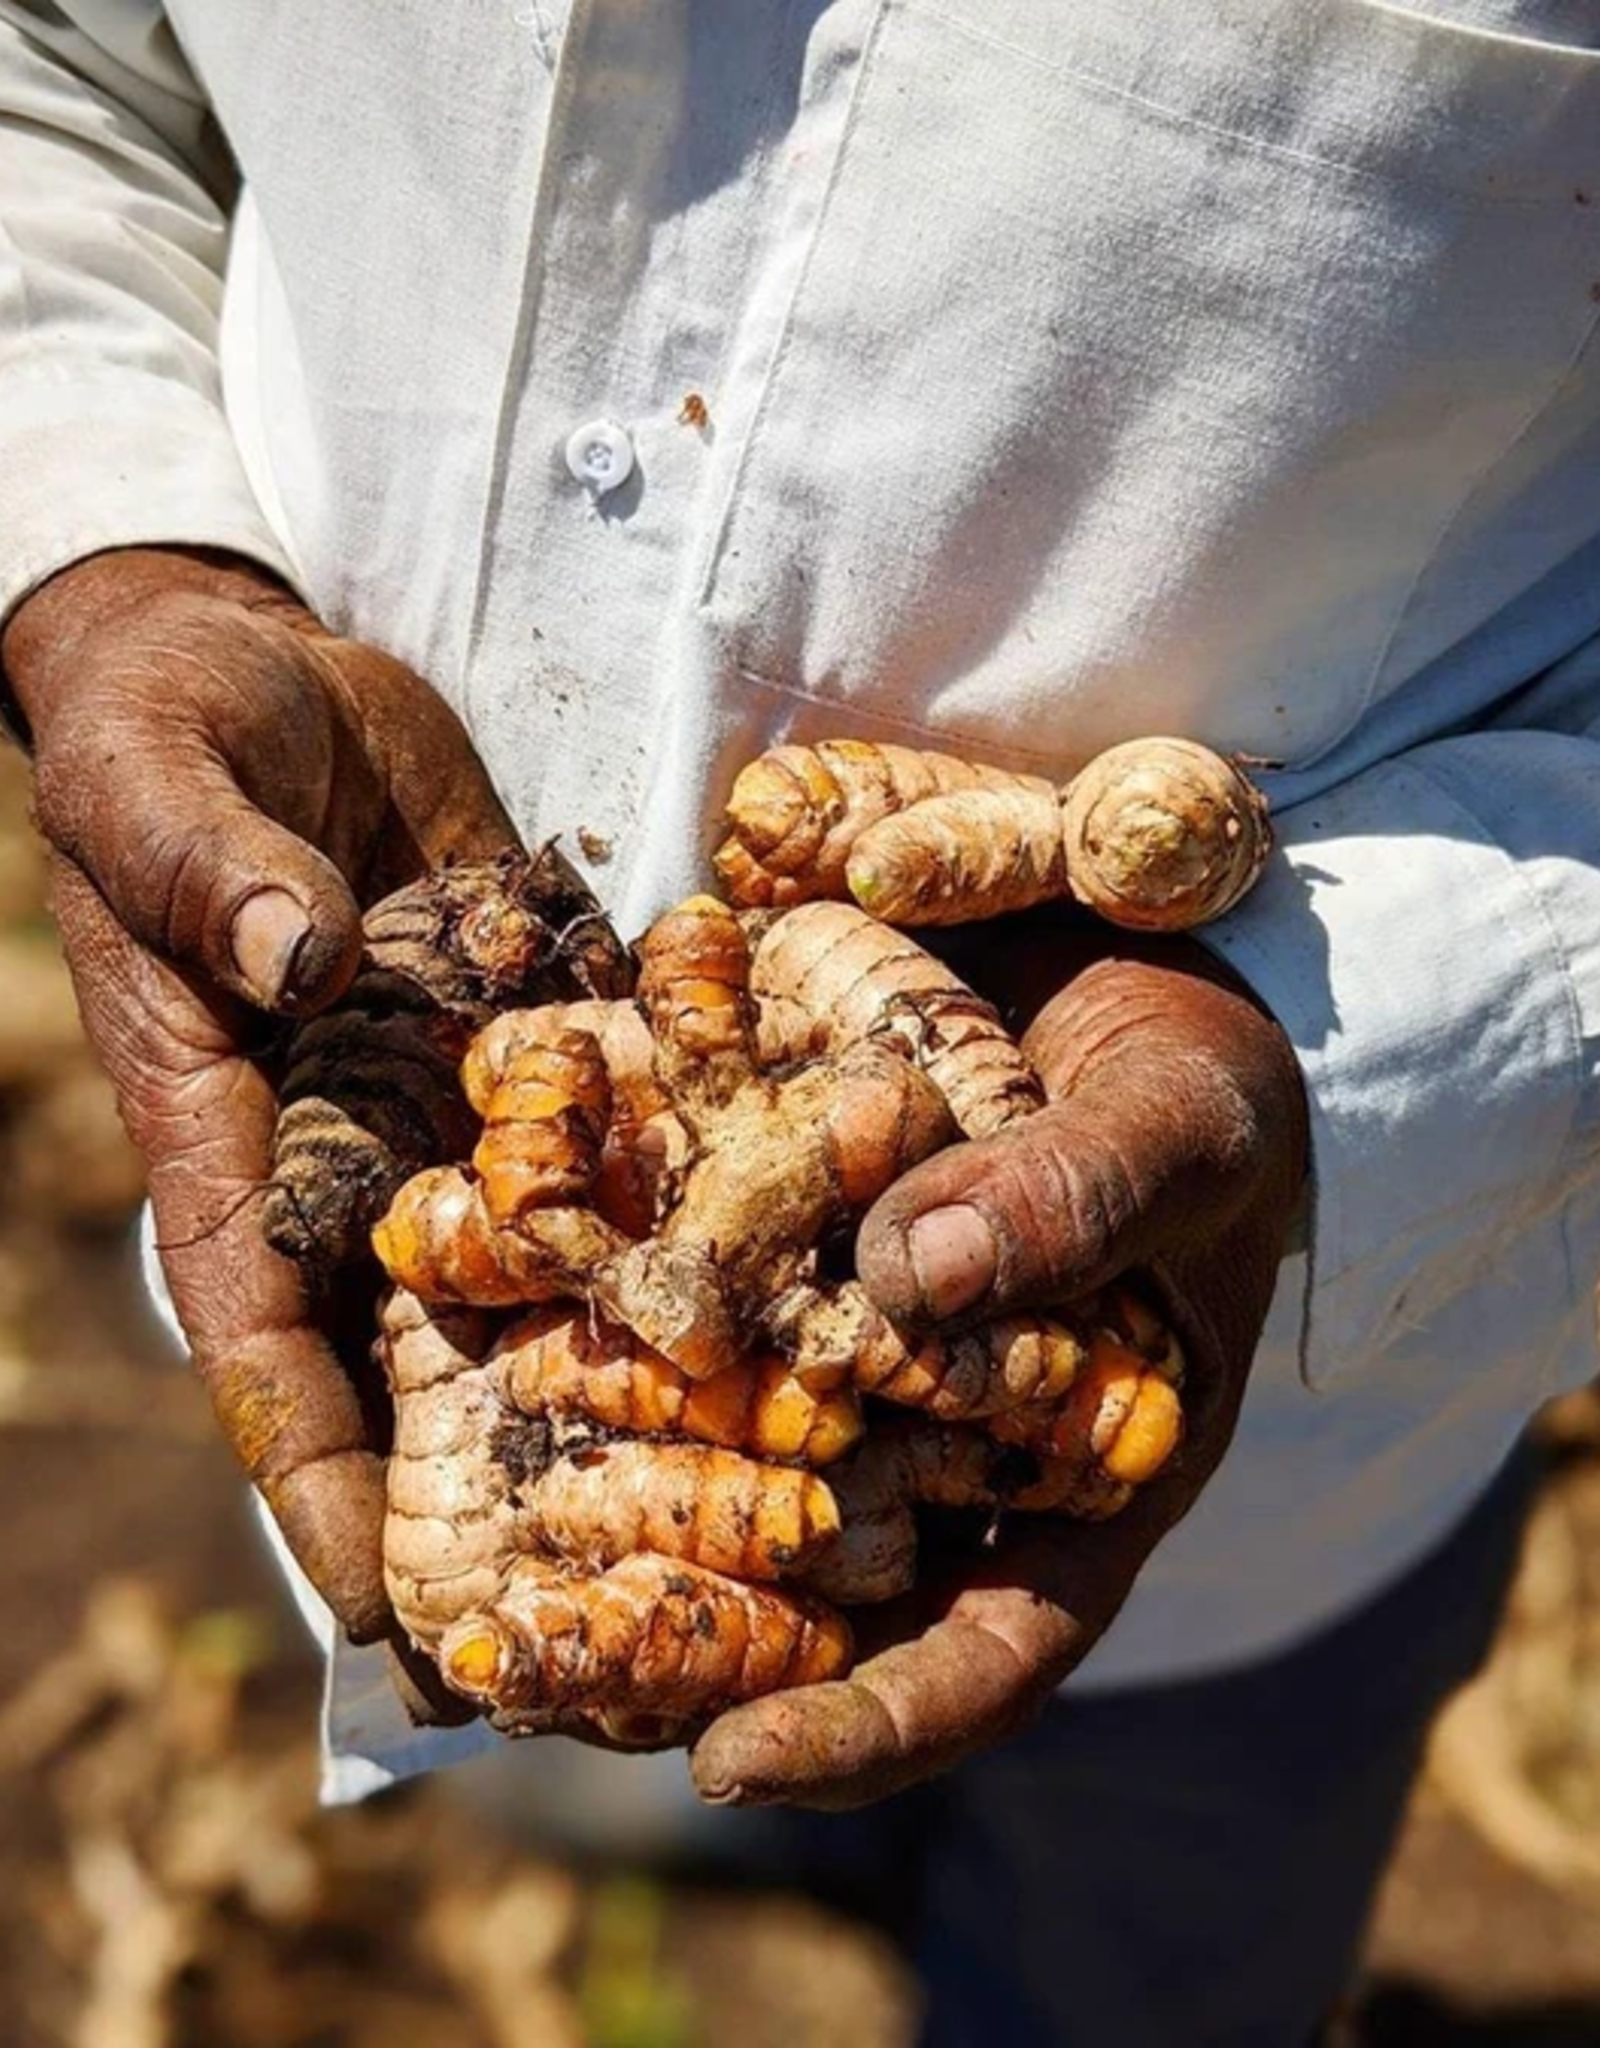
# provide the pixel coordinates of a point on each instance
(166, 1880)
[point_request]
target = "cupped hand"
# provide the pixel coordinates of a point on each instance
(1174, 1144)
(224, 783)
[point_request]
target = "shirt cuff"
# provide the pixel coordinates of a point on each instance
(1429, 938)
(112, 461)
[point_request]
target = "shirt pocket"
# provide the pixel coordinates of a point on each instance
(1141, 358)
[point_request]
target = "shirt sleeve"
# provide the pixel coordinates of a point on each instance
(1430, 940)
(114, 197)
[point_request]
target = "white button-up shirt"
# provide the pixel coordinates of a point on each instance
(663, 378)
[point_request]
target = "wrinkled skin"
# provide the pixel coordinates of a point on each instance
(1175, 1141)
(224, 785)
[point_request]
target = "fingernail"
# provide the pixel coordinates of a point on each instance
(268, 931)
(953, 1255)
(725, 1795)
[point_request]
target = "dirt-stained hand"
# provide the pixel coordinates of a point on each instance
(224, 784)
(1175, 1143)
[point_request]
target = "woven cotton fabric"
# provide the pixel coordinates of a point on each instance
(1068, 372)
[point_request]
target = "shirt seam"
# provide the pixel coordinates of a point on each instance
(530, 295)
(1538, 407)
(1177, 117)
(1552, 937)
(1479, 32)
(782, 350)
(941, 737)
(728, 345)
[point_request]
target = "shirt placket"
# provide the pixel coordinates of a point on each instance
(589, 491)
(646, 269)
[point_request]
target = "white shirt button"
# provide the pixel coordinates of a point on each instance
(600, 456)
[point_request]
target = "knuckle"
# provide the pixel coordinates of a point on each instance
(1066, 1198)
(177, 1093)
(187, 879)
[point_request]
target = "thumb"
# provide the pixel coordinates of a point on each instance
(1046, 1212)
(1178, 1114)
(194, 870)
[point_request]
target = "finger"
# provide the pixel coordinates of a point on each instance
(1046, 1212)
(905, 1716)
(992, 1645)
(1173, 1093)
(976, 1675)
(439, 791)
(203, 1116)
(140, 798)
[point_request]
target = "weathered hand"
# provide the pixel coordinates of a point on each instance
(224, 783)
(1175, 1143)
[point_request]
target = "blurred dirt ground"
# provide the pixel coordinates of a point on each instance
(167, 1882)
